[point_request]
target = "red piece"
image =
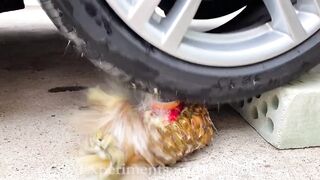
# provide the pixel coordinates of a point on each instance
(175, 113)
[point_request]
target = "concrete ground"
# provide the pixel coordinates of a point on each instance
(38, 142)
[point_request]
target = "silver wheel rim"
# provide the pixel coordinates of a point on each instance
(179, 35)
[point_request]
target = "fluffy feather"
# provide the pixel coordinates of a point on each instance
(123, 131)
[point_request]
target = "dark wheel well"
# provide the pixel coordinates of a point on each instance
(11, 5)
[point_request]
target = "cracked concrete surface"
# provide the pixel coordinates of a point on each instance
(38, 142)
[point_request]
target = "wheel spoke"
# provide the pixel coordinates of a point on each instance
(142, 11)
(178, 21)
(312, 6)
(285, 18)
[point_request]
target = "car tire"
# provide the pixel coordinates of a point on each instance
(106, 40)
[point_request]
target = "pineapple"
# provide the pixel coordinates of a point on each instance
(150, 134)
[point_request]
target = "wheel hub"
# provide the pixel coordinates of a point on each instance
(188, 31)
